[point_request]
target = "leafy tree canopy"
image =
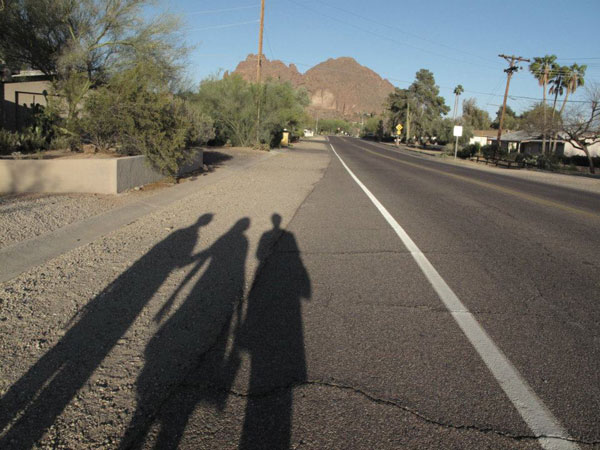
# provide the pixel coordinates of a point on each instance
(425, 104)
(232, 103)
(475, 117)
(93, 37)
(511, 120)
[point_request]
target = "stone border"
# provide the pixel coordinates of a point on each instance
(93, 176)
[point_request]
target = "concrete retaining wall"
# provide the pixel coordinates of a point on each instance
(97, 176)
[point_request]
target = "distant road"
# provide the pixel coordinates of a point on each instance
(523, 258)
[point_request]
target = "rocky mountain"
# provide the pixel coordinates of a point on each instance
(339, 87)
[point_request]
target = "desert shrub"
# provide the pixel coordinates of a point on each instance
(448, 149)
(469, 151)
(32, 140)
(232, 103)
(60, 142)
(134, 114)
(8, 142)
(580, 160)
(487, 151)
(520, 157)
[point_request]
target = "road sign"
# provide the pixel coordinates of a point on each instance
(399, 128)
(458, 131)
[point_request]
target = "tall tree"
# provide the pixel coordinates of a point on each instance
(398, 105)
(458, 90)
(582, 124)
(475, 117)
(573, 79)
(33, 33)
(542, 69)
(567, 80)
(511, 120)
(429, 105)
(89, 37)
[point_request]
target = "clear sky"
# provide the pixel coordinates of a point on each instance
(458, 40)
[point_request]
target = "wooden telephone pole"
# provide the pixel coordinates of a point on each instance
(512, 68)
(259, 68)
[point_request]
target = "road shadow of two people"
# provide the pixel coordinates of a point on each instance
(202, 341)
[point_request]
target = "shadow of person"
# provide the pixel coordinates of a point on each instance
(272, 334)
(34, 402)
(178, 347)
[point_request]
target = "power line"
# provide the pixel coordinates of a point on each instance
(577, 59)
(227, 25)
(213, 11)
(405, 32)
(381, 36)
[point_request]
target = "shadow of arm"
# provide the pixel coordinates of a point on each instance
(164, 310)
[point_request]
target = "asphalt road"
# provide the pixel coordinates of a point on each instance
(346, 344)
(435, 306)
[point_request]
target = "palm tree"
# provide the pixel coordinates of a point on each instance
(569, 80)
(542, 69)
(557, 87)
(457, 91)
(574, 78)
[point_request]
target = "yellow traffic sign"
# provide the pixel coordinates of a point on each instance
(399, 128)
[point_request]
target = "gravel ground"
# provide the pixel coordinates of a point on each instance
(26, 216)
(77, 330)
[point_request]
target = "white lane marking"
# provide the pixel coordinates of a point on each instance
(550, 434)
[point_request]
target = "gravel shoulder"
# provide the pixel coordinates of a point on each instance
(25, 216)
(78, 331)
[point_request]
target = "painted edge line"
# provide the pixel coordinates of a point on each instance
(550, 433)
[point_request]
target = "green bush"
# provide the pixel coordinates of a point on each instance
(232, 103)
(9, 142)
(520, 157)
(60, 143)
(580, 160)
(134, 114)
(487, 151)
(32, 140)
(469, 151)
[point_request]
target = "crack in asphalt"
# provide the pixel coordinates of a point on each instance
(384, 401)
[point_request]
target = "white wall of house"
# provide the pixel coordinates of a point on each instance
(481, 140)
(572, 151)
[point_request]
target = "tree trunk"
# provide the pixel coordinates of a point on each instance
(590, 159)
(544, 129)
(562, 108)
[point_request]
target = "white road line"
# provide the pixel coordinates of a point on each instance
(550, 434)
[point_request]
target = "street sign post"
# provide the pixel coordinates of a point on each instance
(458, 130)
(398, 133)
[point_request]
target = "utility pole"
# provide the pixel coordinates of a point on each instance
(407, 122)
(512, 68)
(259, 68)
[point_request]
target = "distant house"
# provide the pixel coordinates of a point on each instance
(523, 142)
(482, 137)
(18, 92)
(531, 143)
